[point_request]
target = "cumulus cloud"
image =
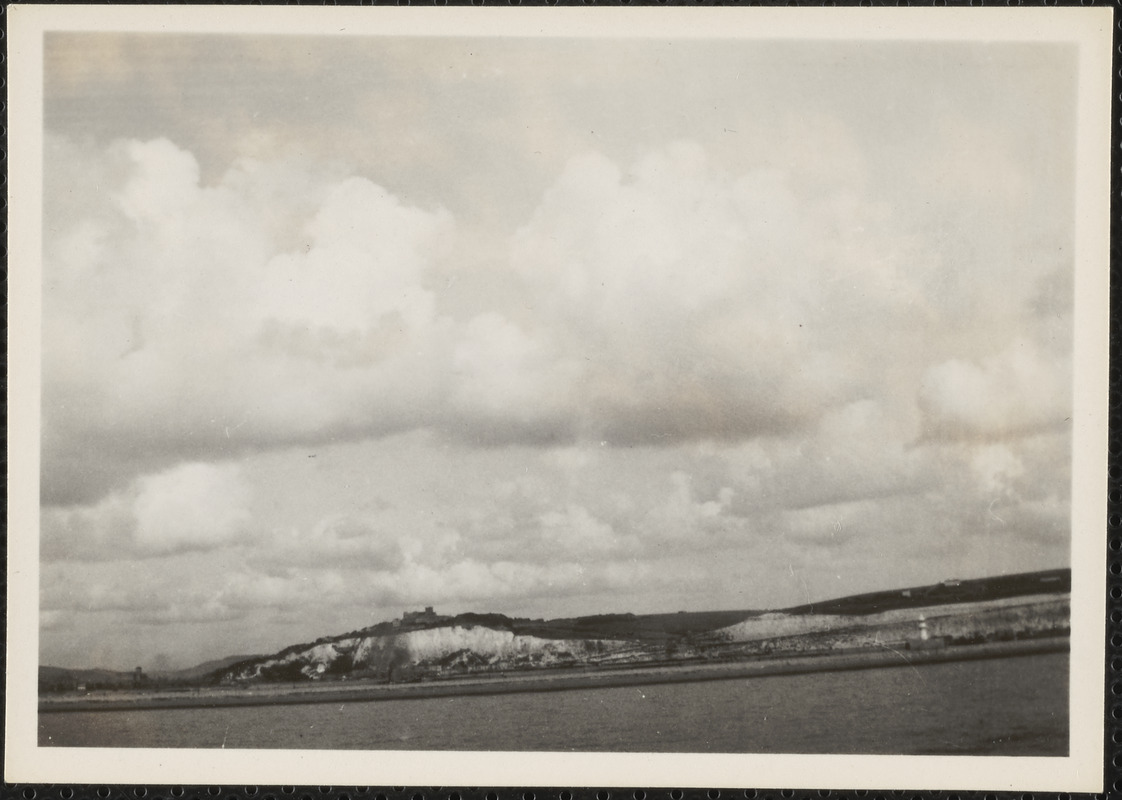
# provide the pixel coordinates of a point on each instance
(184, 319)
(193, 506)
(508, 386)
(857, 451)
(675, 300)
(683, 519)
(634, 275)
(1014, 392)
(384, 540)
(996, 466)
(574, 532)
(650, 302)
(830, 524)
(338, 541)
(280, 305)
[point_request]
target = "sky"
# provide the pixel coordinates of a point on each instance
(339, 327)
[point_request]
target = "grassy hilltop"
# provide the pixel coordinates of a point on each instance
(949, 591)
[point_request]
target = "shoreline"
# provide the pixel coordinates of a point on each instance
(638, 675)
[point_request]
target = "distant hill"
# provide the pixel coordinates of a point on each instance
(949, 591)
(427, 645)
(62, 678)
(204, 668)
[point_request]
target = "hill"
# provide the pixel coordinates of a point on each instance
(950, 591)
(205, 668)
(55, 679)
(428, 645)
(62, 679)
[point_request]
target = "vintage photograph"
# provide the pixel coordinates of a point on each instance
(606, 393)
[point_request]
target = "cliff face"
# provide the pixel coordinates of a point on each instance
(452, 648)
(995, 619)
(445, 647)
(490, 644)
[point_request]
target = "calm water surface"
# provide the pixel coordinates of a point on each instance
(1010, 706)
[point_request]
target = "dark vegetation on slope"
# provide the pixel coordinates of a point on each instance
(951, 591)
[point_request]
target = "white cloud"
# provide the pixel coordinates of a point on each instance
(677, 298)
(502, 374)
(192, 506)
(996, 467)
(365, 257)
(663, 302)
(1016, 391)
(577, 533)
(186, 318)
(279, 306)
(162, 187)
(341, 541)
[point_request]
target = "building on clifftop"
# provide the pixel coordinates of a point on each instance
(417, 617)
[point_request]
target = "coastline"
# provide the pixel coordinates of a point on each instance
(592, 678)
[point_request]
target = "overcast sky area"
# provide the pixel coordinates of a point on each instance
(334, 328)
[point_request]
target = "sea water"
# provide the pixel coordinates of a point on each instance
(1006, 706)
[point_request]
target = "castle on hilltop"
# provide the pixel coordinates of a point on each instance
(417, 617)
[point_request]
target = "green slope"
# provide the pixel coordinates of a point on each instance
(1051, 581)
